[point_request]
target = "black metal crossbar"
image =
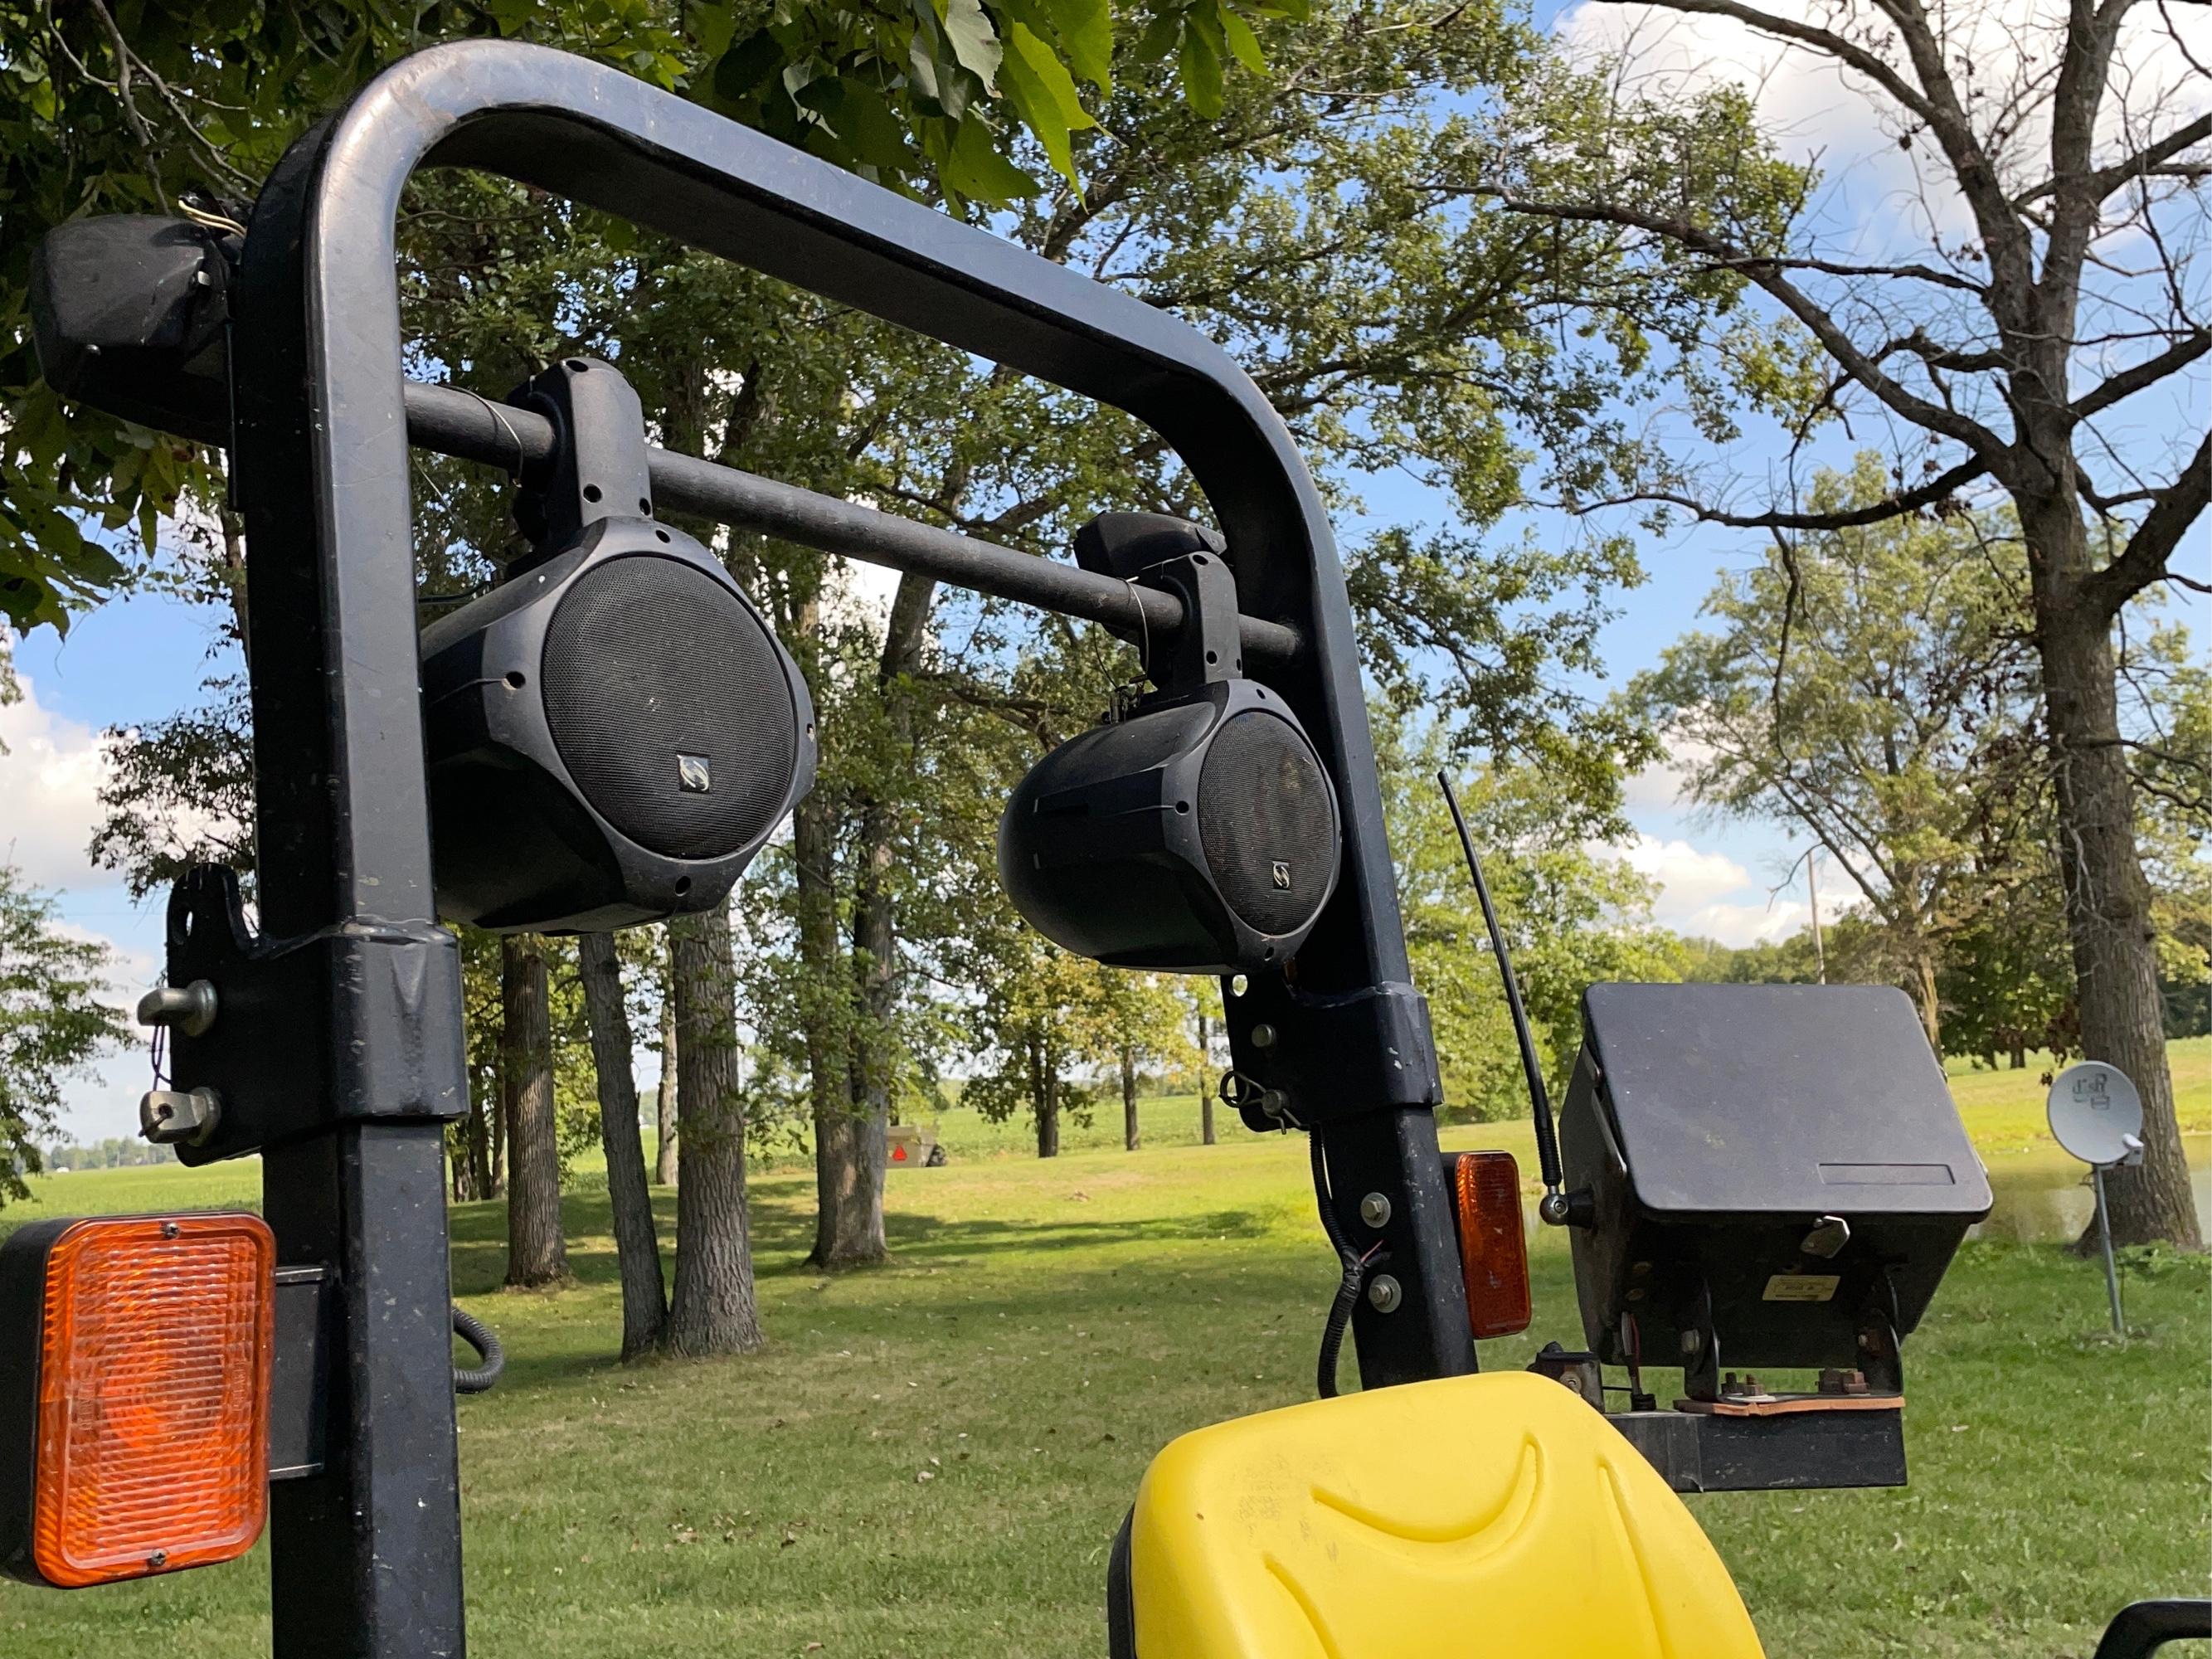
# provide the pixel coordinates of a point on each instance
(461, 424)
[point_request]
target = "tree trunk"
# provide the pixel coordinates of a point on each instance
(845, 1195)
(713, 1311)
(1128, 1098)
(2108, 920)
(536, 1253)
(666, 1153)
(1926, 998)
(1044, 1087)
(637, 1241)
(2018, 1055)
(1205, 1082)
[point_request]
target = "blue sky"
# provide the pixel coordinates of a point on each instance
(138, 658)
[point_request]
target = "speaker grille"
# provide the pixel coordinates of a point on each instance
(1268, 819)
(668, 702)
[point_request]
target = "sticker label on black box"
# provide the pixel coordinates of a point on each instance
(1803, 1287)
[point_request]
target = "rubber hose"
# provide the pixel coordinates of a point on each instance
(479, 1335)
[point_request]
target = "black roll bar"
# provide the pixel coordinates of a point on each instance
(367, 1552)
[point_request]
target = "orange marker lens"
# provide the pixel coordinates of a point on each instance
(1493, 1250)
(152, 1403)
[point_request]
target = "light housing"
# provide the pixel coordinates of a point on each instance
(136, 1440)
(1493, 1244)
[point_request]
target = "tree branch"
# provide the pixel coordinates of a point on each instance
(1890, 507)
(2142, 561)
(2149, 161)
(1767, 275)
(2148, 372)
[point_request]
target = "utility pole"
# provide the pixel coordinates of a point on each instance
(1813, 894)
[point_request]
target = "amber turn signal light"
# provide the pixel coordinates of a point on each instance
(135, 1439)
(1493, 1248)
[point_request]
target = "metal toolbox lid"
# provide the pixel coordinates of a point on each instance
(1796, 1099)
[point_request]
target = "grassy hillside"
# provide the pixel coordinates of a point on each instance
(1048, 1327)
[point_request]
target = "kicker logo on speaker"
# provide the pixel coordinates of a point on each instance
(1281, 873)
(693, 775)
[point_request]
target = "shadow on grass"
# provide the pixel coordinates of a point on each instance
(783, 1234)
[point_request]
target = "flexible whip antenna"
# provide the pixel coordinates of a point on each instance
(1547, 1142)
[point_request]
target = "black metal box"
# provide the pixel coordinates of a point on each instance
(1786, 1157)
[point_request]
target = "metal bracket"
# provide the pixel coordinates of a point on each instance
(599, 468)
(1694, 1452)
(288, 1008)
(1322, 1059)
(300, 1381)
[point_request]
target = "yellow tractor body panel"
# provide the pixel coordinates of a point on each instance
(1475, 1517)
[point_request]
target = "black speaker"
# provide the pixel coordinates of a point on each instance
(1198, 835)
(612, 733)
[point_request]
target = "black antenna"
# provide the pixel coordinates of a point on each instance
(1548, 1144)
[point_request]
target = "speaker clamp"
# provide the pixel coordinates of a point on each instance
(600, 464)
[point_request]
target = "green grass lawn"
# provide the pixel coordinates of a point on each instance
(1046, 1327)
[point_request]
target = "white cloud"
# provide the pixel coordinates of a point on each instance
(50, 779)
(1816, 110)
(1687, 876)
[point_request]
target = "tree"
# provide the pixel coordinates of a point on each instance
(2010, 357)
(1871, 686)
(713, 1310)
(536, 1254)
(637, 1241)
(140, 108)
(53, 1023)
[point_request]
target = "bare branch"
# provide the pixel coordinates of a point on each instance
(2149, 162)
(2145, 374)
(1768, 275)
(1937, 489)
(2142, 561)
(1831, 268)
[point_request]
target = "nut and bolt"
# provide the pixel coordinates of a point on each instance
(1690, 1342)
(1375, 1211)
(1263, 1036)
(1384, 1294)
(179, 1117)
(191, 1008)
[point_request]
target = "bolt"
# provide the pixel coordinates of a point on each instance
(1263, 1036)
(1375, 1211)
(159, 1559)
(170, 1230)
(1689, 1342)
(1384, 1294)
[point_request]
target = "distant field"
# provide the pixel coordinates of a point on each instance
(1046, 1327)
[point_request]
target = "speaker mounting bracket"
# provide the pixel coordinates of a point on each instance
(274, 1091)
(600, 467)
(1174, 555)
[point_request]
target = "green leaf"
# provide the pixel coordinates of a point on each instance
(713, 22)
(974, 166)
(740, 72)
(1158, 39)
(973, 41)
(1044, 94)
(1243, 45)
(1086, 31)
(1201, 71)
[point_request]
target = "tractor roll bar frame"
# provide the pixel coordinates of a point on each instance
(366, 1554)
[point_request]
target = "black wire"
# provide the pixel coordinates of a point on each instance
(1348, 1288)
(479, 1335)
(1547, 1143)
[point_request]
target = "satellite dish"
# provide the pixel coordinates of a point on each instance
(2095, 1113)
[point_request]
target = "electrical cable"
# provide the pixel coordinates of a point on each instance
(1355, 1272)
(476, 1379)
